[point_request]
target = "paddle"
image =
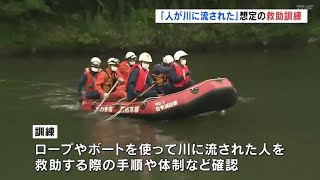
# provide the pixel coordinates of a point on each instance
(114, 86)
(135, 99)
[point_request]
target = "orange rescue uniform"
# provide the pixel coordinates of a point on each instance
(105, 81)
(124, 70)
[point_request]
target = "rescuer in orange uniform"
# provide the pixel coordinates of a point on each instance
(139, 79)
(179, 74)
(88, 79)
(106, 79)
(125, 66)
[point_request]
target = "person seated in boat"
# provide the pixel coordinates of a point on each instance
(113, 68)
(125, 66)
(160, 74)
(106, 80)
(179, 73)
(88, 79)
(139, 79)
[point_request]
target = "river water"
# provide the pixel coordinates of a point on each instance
(278, 103)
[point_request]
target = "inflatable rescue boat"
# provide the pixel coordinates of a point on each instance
(206, 96)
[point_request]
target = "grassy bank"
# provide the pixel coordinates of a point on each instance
(45, 32)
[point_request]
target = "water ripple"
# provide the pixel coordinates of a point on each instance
(246, 99)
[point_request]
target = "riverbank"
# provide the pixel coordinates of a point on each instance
(47, 38)
(54, 51)
(93, 27)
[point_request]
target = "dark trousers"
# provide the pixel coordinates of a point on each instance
(169, 88)
(159, 89)
(151, 93)
(93, 95)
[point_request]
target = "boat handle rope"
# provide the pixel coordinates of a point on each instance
(144, 102)
(93, 106)
(117, 105)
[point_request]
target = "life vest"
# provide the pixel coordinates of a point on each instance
(110, 80)
(142, 77)
(89, 85)
(180, 70)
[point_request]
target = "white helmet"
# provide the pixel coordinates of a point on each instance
(168, 59)
(179, 54)
(95, 64)
(95, 61)
(145, 57)
(113, 61)
(131, 55)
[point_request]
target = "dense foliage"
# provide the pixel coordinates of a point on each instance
(104, 24)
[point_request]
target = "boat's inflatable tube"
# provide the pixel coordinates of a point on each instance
(207, 96)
